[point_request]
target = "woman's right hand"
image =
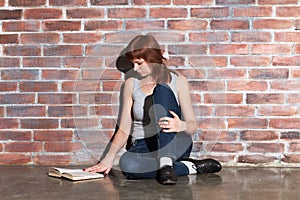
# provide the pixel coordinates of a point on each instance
(103, 167)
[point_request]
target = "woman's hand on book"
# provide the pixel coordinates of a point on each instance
(103, 167)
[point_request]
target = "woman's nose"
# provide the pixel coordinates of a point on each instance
(135, 66)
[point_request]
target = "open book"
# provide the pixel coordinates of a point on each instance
(73, 174)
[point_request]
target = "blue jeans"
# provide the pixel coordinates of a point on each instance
(141, 161)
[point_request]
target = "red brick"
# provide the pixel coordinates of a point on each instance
(265, 98)
(43, 13)
(108, 2)
(106, 110)
(126, 13)
(192, 2)
(20, 74)
(235, 2)
(39, 123)
(287, 37)
(17, 26)
(79, 86)
(256, 159)
(253, 12)
(168, 12)
(225, 73)
(144, 24)
(285, 123)
(85, 13)
(209, 37)
(225, 147)
(103, 50)
(26, 111)
(175, 61)
(272, 24)
(80, 123)
(223, 98)
(15, 135)
(193, 24)
(297, 48)
(67, 111)
(2, 2)
(192, 73)
(8, 86)
(287, 85)
(51, 159)
(286, 61)
(247, 123)
(62, 146)
(211, 124)
(1, 112)
(269, 73)
(82, 37)
(291, 11)
(294, 147)
(99, 98)
(10, 14)
(6, 123)
(229, 49)
(9, 62)
(103, 25)
(218, 136)
(23, 147)
(251, 36)
(55, 98)
(22, 50)
(293, 98)
(53, 135)
(296, 73)
(42, 62)
(249, 61)
(187, 49)
(9, 39)
(100, 74)
(271, 49)
(38, 86)
(83, 62)
(151, 2)
(26, 3)
(278, 110)
(17, 98)
(63, 50)
(213, 12)
(274, 2)
(207, 85)
(265, 147)
(60, 74)
(251, 135)
(40, 38)
(290, 135)
(61, 25)
(234, 111)
(67, 3)
(11, 159)
(229, 24)
(112, 85)
(247, 85)
(208, 61)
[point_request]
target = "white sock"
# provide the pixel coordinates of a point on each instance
(165, 161)
(190, 165)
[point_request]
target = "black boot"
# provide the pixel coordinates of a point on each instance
(166, 175)
(205, 166)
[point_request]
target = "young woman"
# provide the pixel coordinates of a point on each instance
(158, 103)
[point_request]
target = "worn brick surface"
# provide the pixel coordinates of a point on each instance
(60, 89)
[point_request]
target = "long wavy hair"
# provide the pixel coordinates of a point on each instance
(147, 48)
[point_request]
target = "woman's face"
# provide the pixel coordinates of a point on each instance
(141, 67)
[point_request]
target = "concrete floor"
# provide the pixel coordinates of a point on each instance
(28, 182)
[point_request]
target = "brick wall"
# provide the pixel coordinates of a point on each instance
(59, 88)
